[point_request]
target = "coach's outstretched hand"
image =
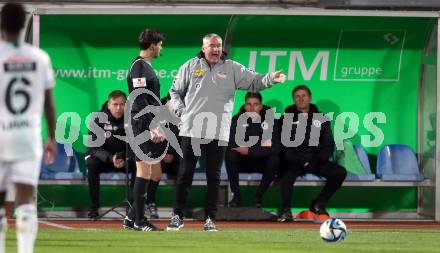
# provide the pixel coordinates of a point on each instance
(50, 151)
(279, 77)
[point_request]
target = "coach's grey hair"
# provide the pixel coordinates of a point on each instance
(211, 35)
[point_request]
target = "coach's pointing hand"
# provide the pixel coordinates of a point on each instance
(279, 77)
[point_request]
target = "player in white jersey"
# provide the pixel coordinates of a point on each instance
(26, 80)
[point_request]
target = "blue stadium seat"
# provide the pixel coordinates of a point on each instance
(164, 177)
(112, 176)
(65, 166)
(200, 173)
(199, 176)
(398, 163)
(250, 176)
(223, 172)
(310, 177)
(363, 158)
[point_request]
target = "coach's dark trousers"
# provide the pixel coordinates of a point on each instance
(214, 160)
(94, 168)
(293, 167)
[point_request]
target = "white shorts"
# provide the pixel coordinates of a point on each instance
(23, 171)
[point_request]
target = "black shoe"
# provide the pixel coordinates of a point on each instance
(318, 208)
(93, 214)
(146, 226)
(285, 216)
(152, 209)
(235, 201)
(176, 223)
(128, 223)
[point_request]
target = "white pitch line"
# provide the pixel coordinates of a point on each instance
(51, 224)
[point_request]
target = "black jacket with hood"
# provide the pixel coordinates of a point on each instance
(324, 149)
(112, 145)
(257, 129)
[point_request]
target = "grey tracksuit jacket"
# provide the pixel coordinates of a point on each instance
(203, 96)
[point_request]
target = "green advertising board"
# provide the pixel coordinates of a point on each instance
(354, 65)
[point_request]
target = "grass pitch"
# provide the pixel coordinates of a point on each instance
(234, 241)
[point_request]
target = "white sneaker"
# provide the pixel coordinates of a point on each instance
(209, 225)
(176, 223)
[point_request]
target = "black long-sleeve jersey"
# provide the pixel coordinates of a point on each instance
(142, 75)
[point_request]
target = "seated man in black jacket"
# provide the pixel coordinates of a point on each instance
(254, 121)
(110, 156)
(311, 155)
(169, 165)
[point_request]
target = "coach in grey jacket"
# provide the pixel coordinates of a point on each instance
(203, 96)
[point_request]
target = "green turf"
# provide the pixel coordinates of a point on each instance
(234, 241)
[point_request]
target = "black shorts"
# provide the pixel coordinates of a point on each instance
(148, 148)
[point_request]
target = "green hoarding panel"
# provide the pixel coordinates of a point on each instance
(353, 64)
(360, 199)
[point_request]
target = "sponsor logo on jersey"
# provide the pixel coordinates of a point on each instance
(19, 66)
(139, 82)
(199, 72)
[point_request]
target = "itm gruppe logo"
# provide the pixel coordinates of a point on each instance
(369, 55)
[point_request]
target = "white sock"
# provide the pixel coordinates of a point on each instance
(3, 228)
(27, 227)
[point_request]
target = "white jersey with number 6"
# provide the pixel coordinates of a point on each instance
(25, 74)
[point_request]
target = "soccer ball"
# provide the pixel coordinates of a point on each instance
(333, 230)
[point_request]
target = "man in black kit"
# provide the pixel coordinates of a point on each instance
(144, 90)
(169, 165)
(255, 120)
(311, 156)
(110, 156)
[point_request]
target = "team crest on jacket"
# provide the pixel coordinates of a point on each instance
(317, 123)
(108, 127)
(221, 74)
(199, 72)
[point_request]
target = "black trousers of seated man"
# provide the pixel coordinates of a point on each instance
(95, 168)
(214, 159)
(237, 163)
(293, 167)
